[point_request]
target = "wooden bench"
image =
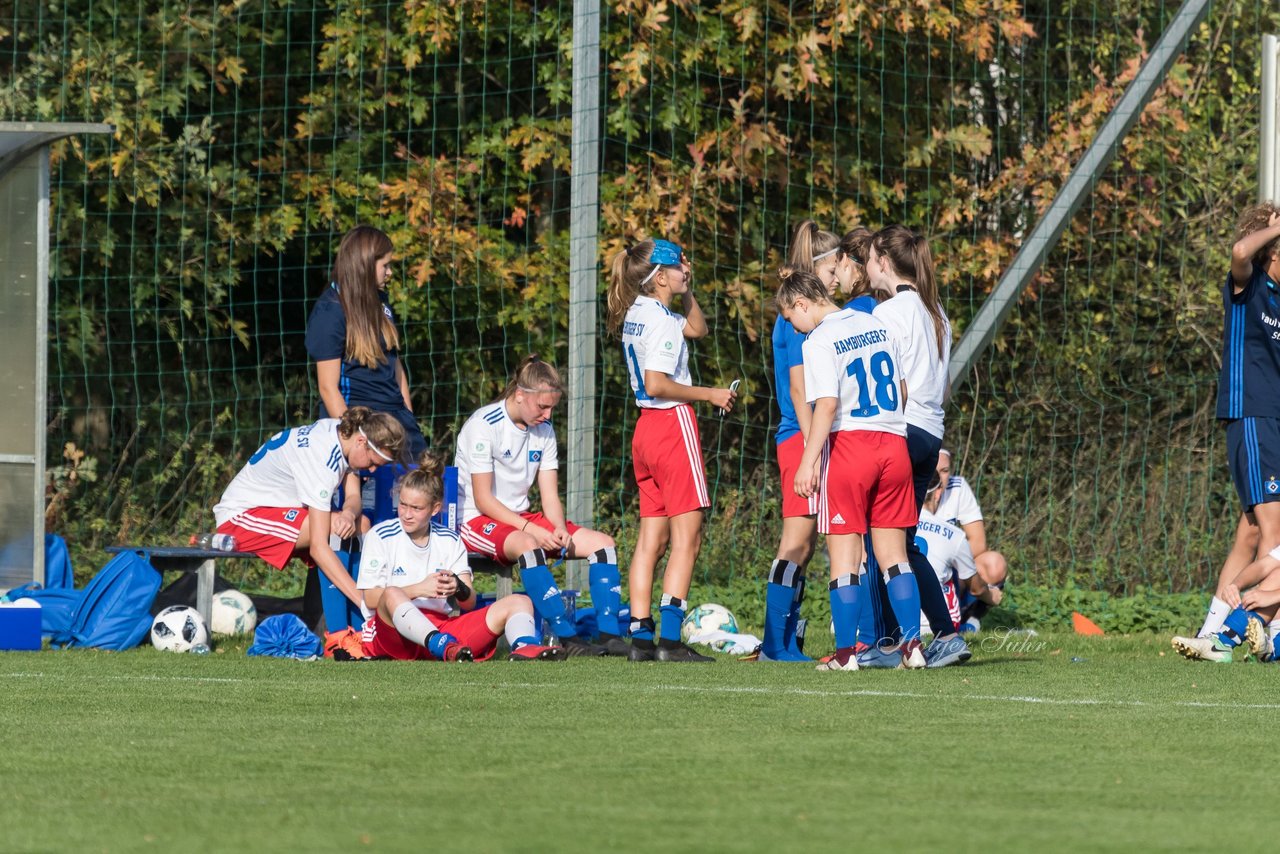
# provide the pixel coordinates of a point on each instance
(201, 561)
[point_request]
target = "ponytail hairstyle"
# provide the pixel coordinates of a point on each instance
(370, 331)
(533, 376)
(809, 245)
(383, 432)
(626, 272)
(909, 254)
(799, 284)
(427, 478)
(854, 245)
(1256, 219)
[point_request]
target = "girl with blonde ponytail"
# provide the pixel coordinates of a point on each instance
(815, 258)
(666, 450)
(505, 447)
(411, 605)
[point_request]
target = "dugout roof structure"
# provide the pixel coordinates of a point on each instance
(24, 298)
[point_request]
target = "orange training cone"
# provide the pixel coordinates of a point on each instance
(1083, 625)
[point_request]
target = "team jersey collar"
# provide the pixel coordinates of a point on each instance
(511, 421)
(839, 311)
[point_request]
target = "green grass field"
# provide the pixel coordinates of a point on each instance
(1051, 743)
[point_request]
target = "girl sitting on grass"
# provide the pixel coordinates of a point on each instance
(412, 568)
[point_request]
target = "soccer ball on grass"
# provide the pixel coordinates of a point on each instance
(178, 628)
(233, 614)
(709, 618)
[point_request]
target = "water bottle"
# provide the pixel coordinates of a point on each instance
(200, 649)
(215, 541)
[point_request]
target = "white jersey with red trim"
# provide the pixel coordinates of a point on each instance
(297, 467)
(491, 443)
(851, 356)
(959, 505)
(653, 340)
(390, 558)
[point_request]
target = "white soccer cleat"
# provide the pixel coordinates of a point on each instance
(1202, 649)
(832, 664)
(913, 656)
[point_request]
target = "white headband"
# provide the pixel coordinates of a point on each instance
(372, 446)
(652, 273)
(817, 258)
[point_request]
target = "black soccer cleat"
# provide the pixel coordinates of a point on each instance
(614, 645)
(576, 647)
(678, 652)
(640, 651)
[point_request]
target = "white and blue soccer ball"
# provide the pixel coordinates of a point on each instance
(233, 614)
(709, 618)
(178, 628)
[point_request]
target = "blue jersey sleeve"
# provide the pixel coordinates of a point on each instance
(327, 331)
(792, 342)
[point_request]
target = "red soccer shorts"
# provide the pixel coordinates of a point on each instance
(470, 629)
(868, 478)
(789, 453)
(666, 454)
(269, 532)
(488, 536)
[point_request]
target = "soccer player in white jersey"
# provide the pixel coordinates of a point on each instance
(666, 450)
(852, 378)
(959, 506)
(410, 571)
(900, 267)
(947, 550)
(280, 504)
(503, 449)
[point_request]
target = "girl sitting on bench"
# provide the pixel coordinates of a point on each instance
(280, 504)
(502, 449)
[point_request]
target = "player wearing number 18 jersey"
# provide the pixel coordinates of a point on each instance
(666, 451)
(852, 376)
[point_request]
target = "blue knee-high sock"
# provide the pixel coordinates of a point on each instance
(871, 627)
(886, 623)
(672, 617)
(789, 637)
(606, 589)
(1233, 627)
(904, 595)
(540, 584)
(845, 606)
(779, 596)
